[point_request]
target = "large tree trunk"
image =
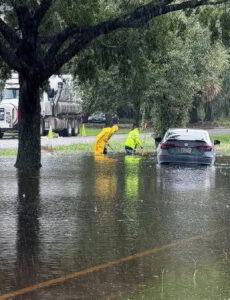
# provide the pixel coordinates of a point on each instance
(27, 242)
(29, 146)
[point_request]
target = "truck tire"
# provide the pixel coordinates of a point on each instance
(75, 131)
(42, 128)
(1, 135)
(67, 131)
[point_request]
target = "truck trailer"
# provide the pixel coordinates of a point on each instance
(61, 108)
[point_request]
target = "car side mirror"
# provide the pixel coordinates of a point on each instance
(216, 142)
(158, 139)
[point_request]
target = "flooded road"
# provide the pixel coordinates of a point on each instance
(114, 227)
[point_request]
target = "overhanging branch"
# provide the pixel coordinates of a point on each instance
(9, 34)
(52, 66)
(42, 10)
(9, 57)
(86, 34)
(60, 38)
(73, 30)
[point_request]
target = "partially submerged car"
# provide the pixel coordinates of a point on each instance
(181, 145)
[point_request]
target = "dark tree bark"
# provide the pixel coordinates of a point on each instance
(29, 153)
(27, 240)
(208, 111)
(193, 118)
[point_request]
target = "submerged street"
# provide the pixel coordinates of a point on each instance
(114, 227)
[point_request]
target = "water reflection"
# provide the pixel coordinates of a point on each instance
(28, 227)
(132, 176)
(186, 178)
(81, 211)
(106, 183)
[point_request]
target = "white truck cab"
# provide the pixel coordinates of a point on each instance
(61, 112)
(9, 105)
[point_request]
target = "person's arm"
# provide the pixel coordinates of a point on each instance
(138, 140)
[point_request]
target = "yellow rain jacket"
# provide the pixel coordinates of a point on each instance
(133, 139)
(103, 137)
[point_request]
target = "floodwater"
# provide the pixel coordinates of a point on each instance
(114, 227)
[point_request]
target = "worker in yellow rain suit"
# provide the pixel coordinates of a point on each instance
(103, 137)
(133, 141)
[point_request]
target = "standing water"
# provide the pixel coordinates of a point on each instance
(114, 227)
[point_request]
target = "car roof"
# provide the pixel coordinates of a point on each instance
(188, 134)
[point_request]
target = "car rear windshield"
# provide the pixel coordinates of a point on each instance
(198, 137)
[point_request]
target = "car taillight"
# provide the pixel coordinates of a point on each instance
(204, 147)
(166, 145)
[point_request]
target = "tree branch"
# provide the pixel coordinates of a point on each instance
(72, 30)
(145, 13)
(50, 67)
(60, 38)
(42, 10)
(22, 12)
(10, 58)
(9, 34)
(85, 34)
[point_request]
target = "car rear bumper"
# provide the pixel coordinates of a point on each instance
(185, 159)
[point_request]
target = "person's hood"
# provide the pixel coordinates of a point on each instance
(115, 128)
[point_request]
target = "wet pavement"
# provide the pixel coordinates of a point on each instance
(114, 227)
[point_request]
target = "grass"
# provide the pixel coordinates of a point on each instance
(8, 152)
(148, 143)
(90, 131)
(224, 148)
(223, 123)
(96, 131)
(118, 145)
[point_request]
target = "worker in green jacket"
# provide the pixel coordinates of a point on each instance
(133, 141)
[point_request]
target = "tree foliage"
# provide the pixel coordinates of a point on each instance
(163, 66)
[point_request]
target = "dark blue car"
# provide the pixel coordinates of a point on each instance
(181, 145)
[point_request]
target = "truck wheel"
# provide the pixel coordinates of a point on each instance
(69, 129)
(75, 131)
(1, 135)
(42, 128)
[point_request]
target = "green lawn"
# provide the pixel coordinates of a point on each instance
(8, 152)
(118, 146)
(148, 144)
(224, 148)
(95, 131)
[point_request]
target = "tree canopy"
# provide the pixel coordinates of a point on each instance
(161, 66)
